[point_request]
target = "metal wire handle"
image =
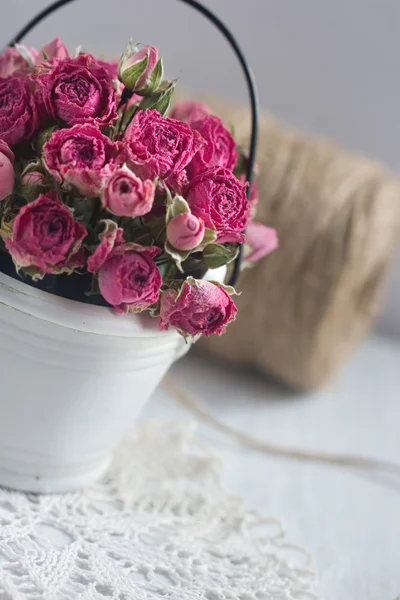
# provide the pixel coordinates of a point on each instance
(249, 77)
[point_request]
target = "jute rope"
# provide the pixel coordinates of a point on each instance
(341, 460)
(305, 307)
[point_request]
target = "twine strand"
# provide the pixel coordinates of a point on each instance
(342, 460)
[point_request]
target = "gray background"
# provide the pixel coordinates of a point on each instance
(327, 67)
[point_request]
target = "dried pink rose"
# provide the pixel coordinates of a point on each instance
(109, 240)
(185, 231)
(156, 146)
(46, 235)
(7, 175)
(6, 150)
(78, 90)
(13, 63)
(125, 195)
(219, 199)
(261, 240)
(219, 149)
(19, 110)
(130, 279)
(110, 66)
(254, 194)
(199, 307)
(77, 156)
(190, 112)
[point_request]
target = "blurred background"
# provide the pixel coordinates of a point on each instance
(331, 68)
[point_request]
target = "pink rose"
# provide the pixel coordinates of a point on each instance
(46, 235)
(77, 156)
(19, 110)
(219, 149)
(219, 199)
(261, 240)
(156, 146)
(55, 50)
(109, 240)
(111, 67)
(6, 150)
(185, 231)
(152, 58)
(7, 175)
(79, 90)
(200, 307)
(13, 63)
(125, 195)
(190, 112)
(130, 279)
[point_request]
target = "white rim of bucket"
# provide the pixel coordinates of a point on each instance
(79, 316)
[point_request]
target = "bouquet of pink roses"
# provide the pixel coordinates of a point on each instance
(96, 181)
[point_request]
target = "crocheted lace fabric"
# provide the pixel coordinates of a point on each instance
(158, 526)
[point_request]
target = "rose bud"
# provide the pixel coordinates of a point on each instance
(33, 178)
(7, 175)
(32, 184)
(185, 231)
(125, 195)
(140, 70)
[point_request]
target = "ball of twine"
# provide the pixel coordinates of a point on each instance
(304, 307)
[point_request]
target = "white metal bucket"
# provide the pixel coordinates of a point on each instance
(73, 378)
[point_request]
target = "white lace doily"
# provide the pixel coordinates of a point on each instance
(159, 526)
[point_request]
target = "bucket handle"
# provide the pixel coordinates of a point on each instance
(247, 72)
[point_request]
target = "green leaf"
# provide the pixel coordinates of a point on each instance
(228, 288)
(94, 288)
(154, 80)
(31, 271)
(161, 100)
(209, 237)
(44, 137)
(130, 75)
(176, 206)
(35, 165)
(177, 256)
(127, 117)
(31, 192)
(218, 255)
(129, 51)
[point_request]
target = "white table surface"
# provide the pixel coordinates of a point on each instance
(350, 521)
